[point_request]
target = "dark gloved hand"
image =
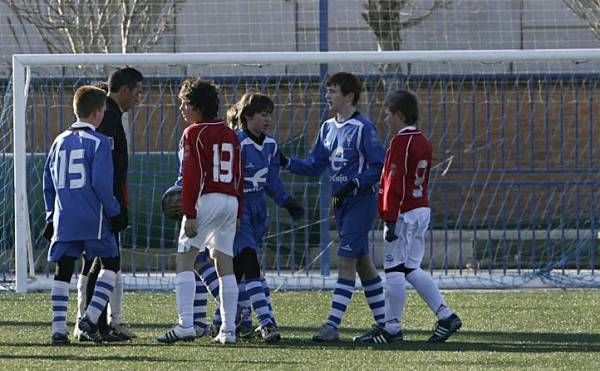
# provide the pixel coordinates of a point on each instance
(294, 208)
(342, 193)
(49, 231)
(389, 231)
(283, 161)
(119, 222)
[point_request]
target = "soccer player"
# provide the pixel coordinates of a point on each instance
(404, 208)
(260, 155)
(212, 203)
(81, 211)
(347, 145)
(124, 91)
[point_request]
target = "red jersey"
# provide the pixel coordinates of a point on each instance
(405, 175)
(212, 163)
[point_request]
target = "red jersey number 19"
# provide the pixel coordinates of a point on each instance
(222, 167)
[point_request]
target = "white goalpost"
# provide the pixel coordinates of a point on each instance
(485, 165)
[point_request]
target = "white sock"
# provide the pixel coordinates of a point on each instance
(426, 288)
(115, 305)
(395, 297)
(229, 297)
(81, 295)
(105, 285)
(185, 286)
(59, 296)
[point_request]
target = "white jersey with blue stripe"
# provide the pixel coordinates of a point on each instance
(261, 168)
(78, 184)
(349, 150)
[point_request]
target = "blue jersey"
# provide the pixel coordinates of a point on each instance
(261, 168)
(350, 150)
(261, 176)
(78, 185)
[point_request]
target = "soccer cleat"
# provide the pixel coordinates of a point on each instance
(177, 333)
(378, 335)
(112, 336)
(327, 333)
(202, 329)
(60, 339)
(225, 337)
(270, 333)
(444, 328)
(89, 329)
(77, 334)
(123, 331)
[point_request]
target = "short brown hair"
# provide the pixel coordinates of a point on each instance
(251, 104)
(202, 96)
(405, 102)
(347, 82)
(87, 100)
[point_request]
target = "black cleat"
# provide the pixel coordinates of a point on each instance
(90, 330)
(270, 333)
(60, 339)
(444, 328)
(378, 335)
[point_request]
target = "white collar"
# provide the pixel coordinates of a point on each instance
(410, 127)
(82, 124)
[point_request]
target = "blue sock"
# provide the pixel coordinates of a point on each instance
(375, 298)
(341, 297)
(60, 298)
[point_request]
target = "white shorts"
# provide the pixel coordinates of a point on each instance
(216, 218)
(409, 248)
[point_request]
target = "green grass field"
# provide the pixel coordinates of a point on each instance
(502, 330)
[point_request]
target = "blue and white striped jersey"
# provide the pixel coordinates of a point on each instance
(261, 168)
(350, 150)
(78, 184)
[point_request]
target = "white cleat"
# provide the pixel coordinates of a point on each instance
(225, 337)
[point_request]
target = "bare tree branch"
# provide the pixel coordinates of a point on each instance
(589, 11)
(389, 18)
(88, 26)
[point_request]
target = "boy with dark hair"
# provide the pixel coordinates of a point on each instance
(347, 145)
(79, 201)
(212, 204)
(404, 208)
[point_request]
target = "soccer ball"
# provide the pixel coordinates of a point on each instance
(172, 204)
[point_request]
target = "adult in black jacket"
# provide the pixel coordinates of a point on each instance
(124, 91)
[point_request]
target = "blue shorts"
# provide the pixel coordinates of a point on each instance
(104, 248)
(355, 220)
(254, 224)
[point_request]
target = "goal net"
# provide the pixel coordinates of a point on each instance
(514, 184)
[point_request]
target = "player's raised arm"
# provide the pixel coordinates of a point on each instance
(317, 161)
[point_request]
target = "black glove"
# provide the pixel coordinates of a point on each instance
(389, 233)
(345, 191)
(119, 222)
(294, 208)
(283, 161)
(49, 231)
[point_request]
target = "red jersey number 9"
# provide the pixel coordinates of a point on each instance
(222, 165)
(420, 178)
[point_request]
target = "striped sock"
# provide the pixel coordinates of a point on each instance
(256, 292)
(200, 301)
(341, 297)
(60, 297)
(268, 297)
(104, 286)
(375, 298)
(209, 276)
(244, 311)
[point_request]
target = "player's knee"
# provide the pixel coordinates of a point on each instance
(408, 271)
(64, 269)
(111, 264)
